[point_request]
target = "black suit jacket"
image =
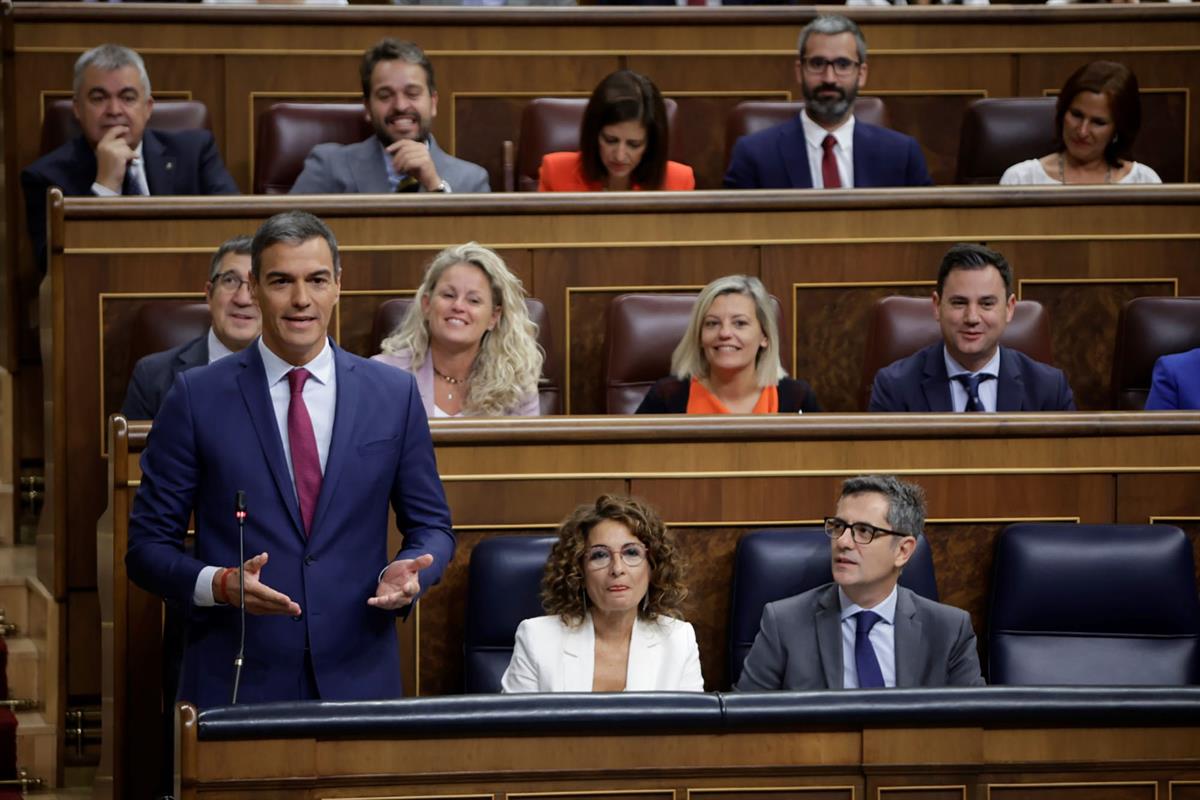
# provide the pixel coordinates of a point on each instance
(176, 162)
(154, 375)
(921, 383)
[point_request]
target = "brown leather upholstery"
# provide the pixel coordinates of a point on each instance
(753, 116)
(1002, 131)
(287, 132)
(900, 326)
(162, 324)
(391, 312)
(551, 125)
(1150, 327)
(60, 126)
(643, 331)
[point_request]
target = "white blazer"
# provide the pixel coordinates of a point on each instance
(552, 657)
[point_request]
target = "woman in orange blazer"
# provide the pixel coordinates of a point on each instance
(622, 143)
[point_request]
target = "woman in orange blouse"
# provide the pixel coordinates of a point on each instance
(622, 143)
(728, 360)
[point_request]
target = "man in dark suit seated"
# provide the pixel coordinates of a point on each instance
(235, 324)
(969, 370)
(825, 147)
(116, 154)
(863, 630)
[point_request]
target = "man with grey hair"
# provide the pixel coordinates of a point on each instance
(316, 442)
(863, 630)
(116, 154)
(400, 101)
(825, 147)
(235, 324)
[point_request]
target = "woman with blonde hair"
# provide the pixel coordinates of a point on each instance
(468, 338)
(728, 360)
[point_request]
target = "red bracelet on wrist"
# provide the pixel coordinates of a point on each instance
(225, 573)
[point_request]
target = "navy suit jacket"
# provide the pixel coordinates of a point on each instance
(177, 162)
(153, 376)
(215, 434)
(921, 383)
(1176, 382)
(776, 159)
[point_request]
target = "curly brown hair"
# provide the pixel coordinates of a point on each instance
(563, 584)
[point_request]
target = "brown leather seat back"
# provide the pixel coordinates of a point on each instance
(1002, 131)
(551, 125)
(1150, 327)
(60, 126)
(752, 116)
(643, 331)
(162, 324)
(391, 313)
(287, 133)
(900, 326)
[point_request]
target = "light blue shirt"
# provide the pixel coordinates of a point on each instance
(882, 637)
(216, 348)
(987, 389)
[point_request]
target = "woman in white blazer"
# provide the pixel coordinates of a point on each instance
(613, 586)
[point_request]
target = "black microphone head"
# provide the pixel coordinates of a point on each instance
(239, 502)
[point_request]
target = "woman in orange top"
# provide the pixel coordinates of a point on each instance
(728, 360)
(622, 143)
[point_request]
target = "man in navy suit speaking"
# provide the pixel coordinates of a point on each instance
(321, 442)
(825, 147)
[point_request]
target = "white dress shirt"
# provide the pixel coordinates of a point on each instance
(882, 638)
(320, 396)
(216, 348)
(987, 389)
(134, 168)
(843, 151)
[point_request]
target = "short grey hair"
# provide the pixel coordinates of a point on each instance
(238, 244)
(688, 360)
(832, 25)
(906, 501)
(109, 57)
(294, 228)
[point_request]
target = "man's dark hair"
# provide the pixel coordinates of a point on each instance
(974, 256)
(239, 245)
(906, 501)
(294, 228)
(623, 96)
(390, 49)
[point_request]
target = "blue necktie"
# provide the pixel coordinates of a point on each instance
(130, 187)
(971, 384)
(865, 662)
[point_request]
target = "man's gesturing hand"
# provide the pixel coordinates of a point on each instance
(401, 583)
(260, 598)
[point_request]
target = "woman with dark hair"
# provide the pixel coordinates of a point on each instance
(622, 143)
(1096, 122)
(613, 586)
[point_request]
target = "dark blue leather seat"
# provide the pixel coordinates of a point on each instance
(1094, 605)
(504, 582)
(780, 562)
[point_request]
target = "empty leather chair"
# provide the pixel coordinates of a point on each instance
(900, 326)
(1001, 131)
(391, 312)
(1093, 605)
(1150, 327)
(287, 133)
(59, 124)
(162, 324)
(781, 562)
(551, 125)
(752, 116)
(503, 588)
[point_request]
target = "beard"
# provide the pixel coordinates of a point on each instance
(828, 110)
(384, 133)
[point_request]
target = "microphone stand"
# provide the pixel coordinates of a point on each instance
(239, 512)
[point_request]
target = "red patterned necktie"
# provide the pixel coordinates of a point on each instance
(306, 463)
(829, 169)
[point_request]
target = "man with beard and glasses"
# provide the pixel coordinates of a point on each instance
(824, 147)
(400, 99)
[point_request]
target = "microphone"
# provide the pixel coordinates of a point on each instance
(239, 513)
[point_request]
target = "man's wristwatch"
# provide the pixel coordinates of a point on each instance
(443, 187)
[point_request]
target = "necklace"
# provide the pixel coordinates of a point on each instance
(452, 381)
(1062, 171)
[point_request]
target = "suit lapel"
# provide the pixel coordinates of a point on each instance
(793, 151)
(578, 657)
(194, 355)
(862, 175)
(341, 445)
(645, 657)
(936, 381)
(829, 637)
(366, 165)
(253, 384)
(158, 163)
(1010, 389)
(910, 652)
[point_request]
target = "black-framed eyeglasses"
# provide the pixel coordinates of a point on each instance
(861, 532)
(600, 556)
(842, 67)
(229, 281)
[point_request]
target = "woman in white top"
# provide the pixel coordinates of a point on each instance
(613, 586)
(468, 338)
(1096, 122)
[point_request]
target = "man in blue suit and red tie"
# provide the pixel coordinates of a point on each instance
(825, 147)
(320, 441)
